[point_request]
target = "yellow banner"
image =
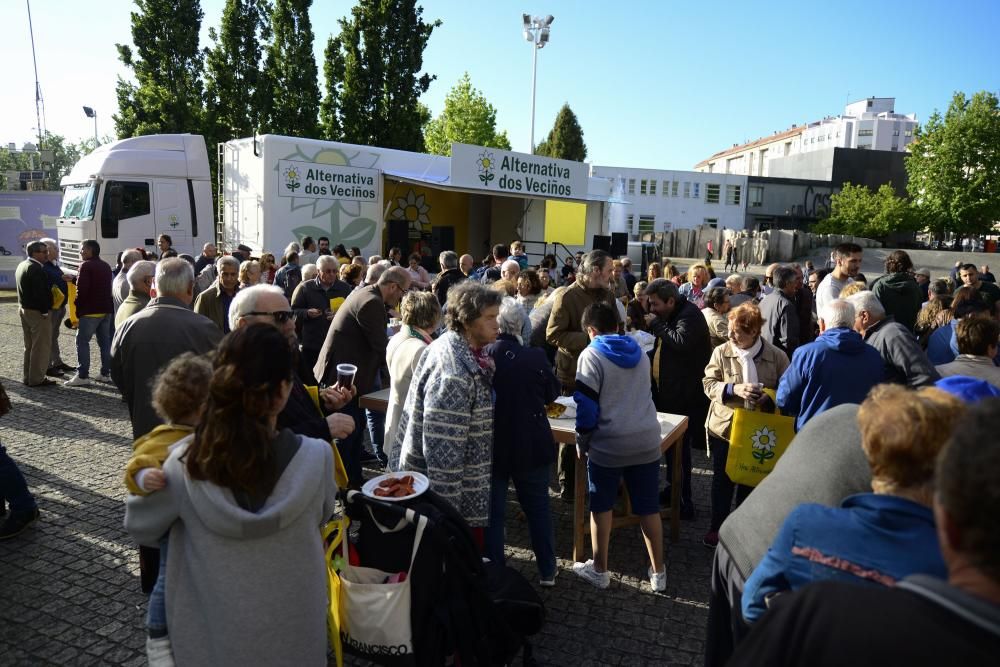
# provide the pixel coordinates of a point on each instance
(565, 222)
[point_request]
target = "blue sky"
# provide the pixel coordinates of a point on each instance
(654, 84)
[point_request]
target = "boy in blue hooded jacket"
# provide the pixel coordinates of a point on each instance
(618, 433)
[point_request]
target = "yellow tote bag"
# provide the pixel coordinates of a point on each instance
(756, 442)
(334, 533)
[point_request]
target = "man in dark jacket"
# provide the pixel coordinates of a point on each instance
(905, 361)
(898, 291)
(450, 275)
(779, 310)
(95, 309)
(837, 368)
(214, 302)
(55, 276)
(682, 351)
(358, 336)
(492, 274)
(805, 304)
(34, 299)
(150, 339)
(315, 303)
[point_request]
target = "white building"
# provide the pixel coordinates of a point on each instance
(664, 200)
(871, 123)
(867, 124)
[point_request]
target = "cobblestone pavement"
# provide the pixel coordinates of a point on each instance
(69, 586)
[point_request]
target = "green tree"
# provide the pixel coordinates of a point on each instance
(565, 139)
(954, 167)
(333, 79)
(467, 118)
(167, 94)
(373, 80)
(234, 90)
(64, 155)
(858, 211)
(291, 84)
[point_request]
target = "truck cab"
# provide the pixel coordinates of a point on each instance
(126, 193)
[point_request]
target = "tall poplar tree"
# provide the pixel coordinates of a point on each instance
(565, 139)
(291, 83)
(381, 55)
(234, 84)
(167, 94)
(333, 78)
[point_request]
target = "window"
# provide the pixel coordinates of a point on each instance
(673, 188)
(908, 133)
(711, 167)
(697, 190)
(864, 133)
(647, 224)
(712, 193)
(652, 187)
(895, 133)
(822, 138)
(756, 196)
(733, 195)
(687, 189)
(134, 203)
(642, 186)
(666, 188)
(631, 186)
(712, 222)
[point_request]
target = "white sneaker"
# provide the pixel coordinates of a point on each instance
(587, 572)
(548, 582)
(104, 378)
(159, 653)
(77, 381)
(658, 580)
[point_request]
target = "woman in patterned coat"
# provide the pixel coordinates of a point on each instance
(446, 428)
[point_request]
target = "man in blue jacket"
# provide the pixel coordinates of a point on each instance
(839, 367)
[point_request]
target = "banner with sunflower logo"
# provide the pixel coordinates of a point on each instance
(756, 442)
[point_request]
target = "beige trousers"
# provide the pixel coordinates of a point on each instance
(37, 344)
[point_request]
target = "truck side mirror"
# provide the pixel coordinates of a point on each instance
(115, 201)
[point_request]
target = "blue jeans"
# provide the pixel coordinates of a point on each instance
(156, 612)
(350, 447)
(86, 329)
(533, 495)
(13, 488)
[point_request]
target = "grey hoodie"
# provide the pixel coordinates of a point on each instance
(243, 588)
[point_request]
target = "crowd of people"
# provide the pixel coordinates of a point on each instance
(238, 373)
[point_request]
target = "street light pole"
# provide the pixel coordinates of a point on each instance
(92, 113)
(536, 31)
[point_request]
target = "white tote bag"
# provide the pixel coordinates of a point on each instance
(376, 615)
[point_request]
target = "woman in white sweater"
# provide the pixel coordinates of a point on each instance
(420, 313)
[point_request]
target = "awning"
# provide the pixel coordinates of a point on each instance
(443, 182)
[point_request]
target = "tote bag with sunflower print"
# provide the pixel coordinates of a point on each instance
(756, 442)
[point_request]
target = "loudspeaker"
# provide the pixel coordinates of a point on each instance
(619, 244)
(399, 237)
(602, 243)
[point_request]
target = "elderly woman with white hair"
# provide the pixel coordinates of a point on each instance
(446, 427)
(523, 448)
(420, 313)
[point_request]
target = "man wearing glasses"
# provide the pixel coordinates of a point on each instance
(214, 302)
(358, 335)
(267, 304)
(151, 338)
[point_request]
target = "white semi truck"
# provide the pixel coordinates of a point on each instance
(272, 190)
(125, 194)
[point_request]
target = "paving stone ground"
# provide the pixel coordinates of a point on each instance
(69, 586)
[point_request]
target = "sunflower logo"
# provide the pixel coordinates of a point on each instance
(764, 441)
(414, 209)
(292, 178)
(486, 166)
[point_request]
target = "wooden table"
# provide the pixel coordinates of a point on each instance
(672, 429)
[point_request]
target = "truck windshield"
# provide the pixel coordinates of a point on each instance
(80, 201)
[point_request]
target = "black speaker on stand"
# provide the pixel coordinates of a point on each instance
(619, 244)
(602, 243)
